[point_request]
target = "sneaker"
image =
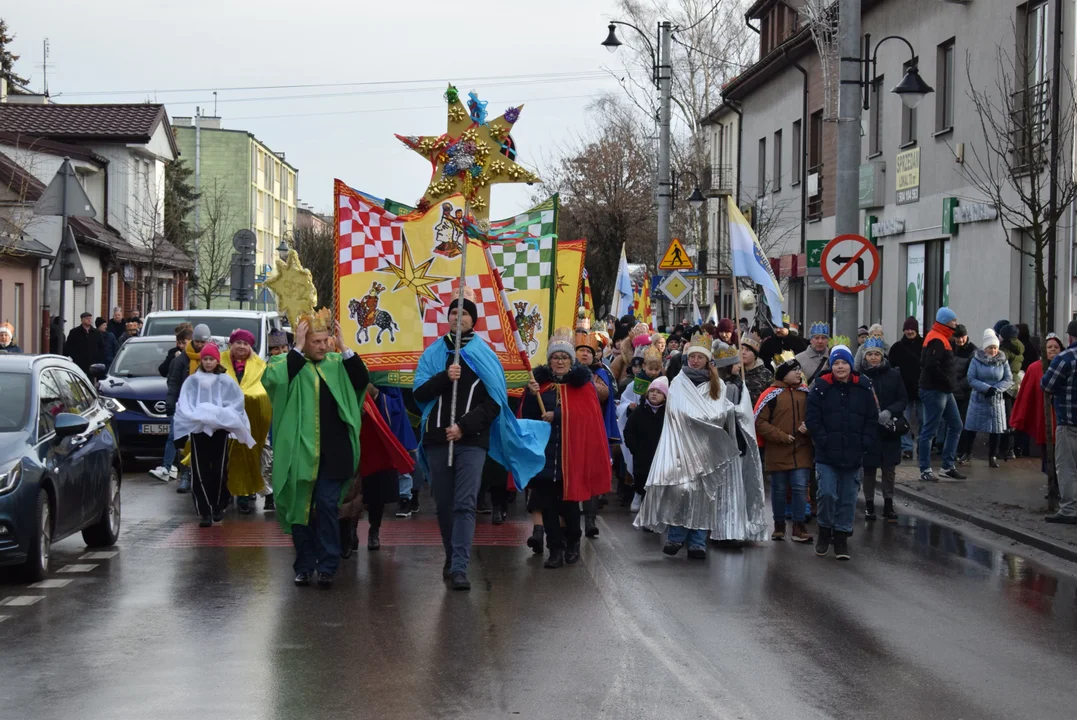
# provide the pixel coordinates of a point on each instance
(206, 521)
(325, 580)
(590, 528)
(270, 504)
(888, 511)
(243, 505)
(572, 554)
(161, 473)
(460, 581)
(184, 483)
(498, 516)
(800, 534)
(822, 542)
(218, 517)
(869, 511)
(535, 541)
(672, 548)
(953, 473)
(403, 508)
(928, 476)
(697, 553)
(302, 579)
(841, 545)
(173, 473)
(414, 501)
(637, 501)
(992, 462)
(779, 531)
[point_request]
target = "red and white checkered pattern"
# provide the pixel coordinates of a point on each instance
(369, 235)
(488, 326)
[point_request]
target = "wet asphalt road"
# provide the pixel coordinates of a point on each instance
(183, 623)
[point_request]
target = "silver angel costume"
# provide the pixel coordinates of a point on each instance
(699, 479)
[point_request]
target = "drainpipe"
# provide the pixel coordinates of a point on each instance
(1056, 101)
(740, 140)
(803, 184)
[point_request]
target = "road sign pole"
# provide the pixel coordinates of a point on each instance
(61, 255)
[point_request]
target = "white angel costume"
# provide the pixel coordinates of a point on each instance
(209, 402)
(699, 479)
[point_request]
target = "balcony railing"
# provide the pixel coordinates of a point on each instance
(1029, 108)
(718, 180)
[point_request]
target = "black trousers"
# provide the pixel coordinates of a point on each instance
(209, 462)
(546, 498)
(495, 480)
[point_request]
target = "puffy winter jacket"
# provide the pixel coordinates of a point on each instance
(642, 432)
(890, 392)
(776, 420)
(962, 357)
(937, 367)
(842, 419)
(987, 411)
(905, 358)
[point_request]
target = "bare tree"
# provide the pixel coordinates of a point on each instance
(606, 185)
(1022, 167)
(317, 249)
(220, 223)
(19, 190)
(146, 225)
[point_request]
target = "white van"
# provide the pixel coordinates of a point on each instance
(221, 324)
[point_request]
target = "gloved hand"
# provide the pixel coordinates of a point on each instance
(991, 392)
(884, 417)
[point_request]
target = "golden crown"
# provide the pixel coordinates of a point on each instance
(320, 321)
(652, 354)
(700, 340)
(726, 352)
(783, 357)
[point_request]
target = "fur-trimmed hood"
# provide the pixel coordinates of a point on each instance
(578, 376)
(999, 359)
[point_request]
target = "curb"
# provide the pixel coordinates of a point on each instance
(1027, 537)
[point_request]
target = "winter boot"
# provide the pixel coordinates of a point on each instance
(535, 541)
(992, 462)
(888, 511)
(270, 503)
(841, 545)
(779, 531)
(869, 510)
(672, 548)
(556, 559)
(800, 534)
(572, 554)
(590, 528)
(822, 542)
(373, 539)
(414, 501)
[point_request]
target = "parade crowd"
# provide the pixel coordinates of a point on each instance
(685, 427)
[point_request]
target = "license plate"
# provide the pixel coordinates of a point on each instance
(154, 429)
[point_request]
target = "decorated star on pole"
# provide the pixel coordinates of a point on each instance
(293, 286)
(468, 158)
(415, 277)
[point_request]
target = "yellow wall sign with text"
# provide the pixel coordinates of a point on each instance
(908, 176)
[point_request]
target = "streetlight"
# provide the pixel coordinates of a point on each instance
(282, 249)
(611, 42)
(696, 199)
(912, 87)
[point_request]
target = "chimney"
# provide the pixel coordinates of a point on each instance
(210, 122)
(3, 89)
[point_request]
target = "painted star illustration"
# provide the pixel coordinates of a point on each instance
(415, 277)
(561, 284)
(293, 286)
(467, 159)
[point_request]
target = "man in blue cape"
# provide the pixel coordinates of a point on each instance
(483, 423)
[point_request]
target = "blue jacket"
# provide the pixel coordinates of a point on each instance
(390, 404)
(842, 420)
(987, 413)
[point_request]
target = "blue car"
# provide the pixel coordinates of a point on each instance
(135, 382)
(59, 461)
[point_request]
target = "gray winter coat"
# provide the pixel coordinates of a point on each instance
(987, 412)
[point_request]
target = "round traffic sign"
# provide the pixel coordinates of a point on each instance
(244, 240)
(850, 263)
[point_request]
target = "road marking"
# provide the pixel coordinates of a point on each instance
(104, 555)
(21, 600)
(77, 568)
(4, 617)
(45, 584)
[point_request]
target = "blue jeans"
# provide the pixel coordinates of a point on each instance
(836, 500)
(317, 544)
(779, 483)
(170, 446)
(914, 415)
(694, 538)
(405, 485)
(456, 492)
(939, 407)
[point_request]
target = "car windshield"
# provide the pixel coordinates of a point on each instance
(14, 411)
(220, 326)
(141, 359)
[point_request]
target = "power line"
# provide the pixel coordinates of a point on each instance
(155, 91)
(398, 109)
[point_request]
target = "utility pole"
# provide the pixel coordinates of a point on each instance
(847, 185)
(665, 184)
(198, 182)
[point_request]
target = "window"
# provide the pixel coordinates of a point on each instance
(51, 403)
(77, 396)
(778, 160)
(283, 184)
(83, 297)
(944, 86)
(875, 119)
(815, 142)
(267, 175)
(762, 179)
(1031, 99)
(908, 115)
(795, 164)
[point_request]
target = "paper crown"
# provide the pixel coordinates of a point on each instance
(652, 354)
(583, 320)
(699, 343)
(561, 341)
(726, 355)
(320, 321)
(839, 340)
(783, 357)
(819, 328)
(752, 340)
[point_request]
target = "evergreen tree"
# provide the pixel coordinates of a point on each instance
(8, 58)
(180, 199)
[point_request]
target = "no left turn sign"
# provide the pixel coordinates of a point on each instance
(850, 263)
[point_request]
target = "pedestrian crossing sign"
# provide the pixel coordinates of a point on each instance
(676, 257)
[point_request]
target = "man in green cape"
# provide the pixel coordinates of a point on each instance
(317, 401)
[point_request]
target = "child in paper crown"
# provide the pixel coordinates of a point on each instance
(644, 428)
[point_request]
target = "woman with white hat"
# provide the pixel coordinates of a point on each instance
(990, 377)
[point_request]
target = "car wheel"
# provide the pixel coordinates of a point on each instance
(106, 530)
(37, 557)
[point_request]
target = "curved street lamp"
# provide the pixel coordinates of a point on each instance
(912, 87)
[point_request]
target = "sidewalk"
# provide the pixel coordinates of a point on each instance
(1010, 501)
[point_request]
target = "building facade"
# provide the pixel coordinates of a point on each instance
(244, 185)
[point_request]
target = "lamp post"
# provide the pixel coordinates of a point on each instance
(857, 72)
(662, 77)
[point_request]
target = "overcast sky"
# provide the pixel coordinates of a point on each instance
(200, 45)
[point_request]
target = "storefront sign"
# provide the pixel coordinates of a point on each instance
(869, 225)
(872, 185)
(914, 279)
(815, 251)
(974, 212)
(948, 205)
(908, 176)
(884, 228)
